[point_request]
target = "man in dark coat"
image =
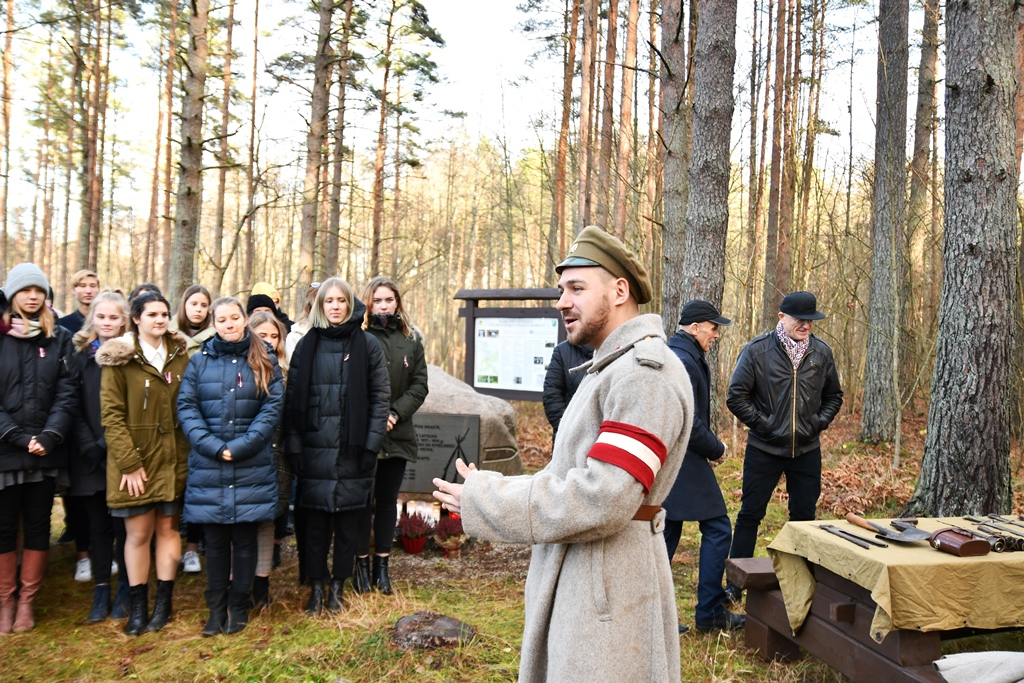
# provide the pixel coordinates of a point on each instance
(785, 389)
(696, 496)
(559, 383)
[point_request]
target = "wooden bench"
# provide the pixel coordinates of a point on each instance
(836, 629)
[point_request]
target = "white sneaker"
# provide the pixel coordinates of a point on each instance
(190, 562)
(113, 567)
(83, 570)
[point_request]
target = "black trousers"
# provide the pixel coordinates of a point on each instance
(761, 474)
(384, 510)
(230, 556)
(320, 526)
(29, 504)
(77, 519)
(101, 534)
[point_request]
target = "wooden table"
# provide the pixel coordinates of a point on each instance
(878, 614)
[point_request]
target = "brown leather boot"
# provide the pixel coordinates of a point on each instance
(8, 584)
(33, 567)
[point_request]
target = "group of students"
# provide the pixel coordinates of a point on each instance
(145, 422)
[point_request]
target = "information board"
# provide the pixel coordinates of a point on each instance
(513, 353)
(440, 439)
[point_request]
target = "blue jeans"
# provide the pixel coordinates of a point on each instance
(715, 537)
(761, 474)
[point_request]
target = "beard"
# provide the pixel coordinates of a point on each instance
(589, 326)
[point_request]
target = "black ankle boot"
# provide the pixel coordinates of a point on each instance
(161, 606)
(336, 601)
(217, 603)
(380, 579)
(100, 603)
(315, 606)
(238, 612)
(260, 592)
(138, 612)
(122, 599)
(361, 579)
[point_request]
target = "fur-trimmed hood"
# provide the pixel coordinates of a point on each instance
(121, 350)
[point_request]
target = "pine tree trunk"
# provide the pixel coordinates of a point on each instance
(881, 399)
(395, 199)
(556, 234)
(707, 211)
(382, 128)
(152, 225)
(622, 179)
(675, 138)
(334, 220)
(772, 276)
(966, 463)
(602, 215)
(916, 321)
(6, 259)
(315, 139)
(784, 273)
(188, 208)
(169, 80)
(225, 151)
(583, 144)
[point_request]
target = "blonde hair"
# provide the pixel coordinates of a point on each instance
(87, 334)
(258, 359)
(280, 350)
(317, 317)
(80, 275)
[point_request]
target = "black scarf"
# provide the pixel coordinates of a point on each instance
(355, 365)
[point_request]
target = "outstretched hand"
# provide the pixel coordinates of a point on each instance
(450, 494)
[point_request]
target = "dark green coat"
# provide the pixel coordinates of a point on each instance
(141, 423)
(407, 370)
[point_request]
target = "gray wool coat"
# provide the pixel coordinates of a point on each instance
(599, 599)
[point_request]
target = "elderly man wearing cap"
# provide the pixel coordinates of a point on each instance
(696, 496)
(599, 599)
(786, 390)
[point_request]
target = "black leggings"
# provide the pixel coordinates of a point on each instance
(320, 526)
(30, 504)
(101, 534)
(384, 509)
(230, 556)
(77, 520)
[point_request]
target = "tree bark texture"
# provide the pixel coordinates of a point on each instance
(622, 177)
(315, 140)
(169, 80)
(225, 150)
(188, 208)
(966, 463)
(772, 291)
(5, 119)
(382, 140)
(915, 325)
(334, 220)
(584, 151)
(557, 229)
(881, 399)
(707, 211)
(602, 214)
(674, 138)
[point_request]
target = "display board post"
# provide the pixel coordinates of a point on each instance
(508, 349)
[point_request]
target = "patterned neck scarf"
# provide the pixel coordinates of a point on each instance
(24, 329)
(794, 349)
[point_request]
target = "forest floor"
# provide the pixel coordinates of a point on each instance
(483, 588)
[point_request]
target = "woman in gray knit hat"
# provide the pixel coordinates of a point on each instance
(37, 408)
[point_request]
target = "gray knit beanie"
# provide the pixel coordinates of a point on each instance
(23, 276)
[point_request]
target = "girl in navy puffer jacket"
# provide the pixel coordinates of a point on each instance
(229, 405)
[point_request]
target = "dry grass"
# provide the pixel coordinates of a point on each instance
(483, 588)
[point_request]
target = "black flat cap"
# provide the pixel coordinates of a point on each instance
(698, 311)
(801, 305)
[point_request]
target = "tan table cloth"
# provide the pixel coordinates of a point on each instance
(914, 585)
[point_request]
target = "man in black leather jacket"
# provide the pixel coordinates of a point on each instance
(786, 390)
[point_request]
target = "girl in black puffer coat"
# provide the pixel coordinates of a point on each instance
(37, 410)
(107, 319)
(387, 320)
(336, 414)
